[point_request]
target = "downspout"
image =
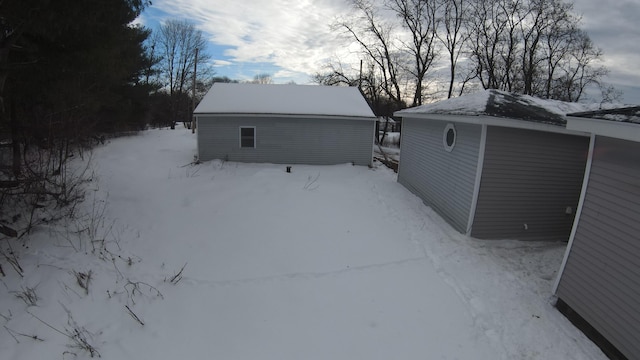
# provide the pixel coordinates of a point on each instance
(576, 220)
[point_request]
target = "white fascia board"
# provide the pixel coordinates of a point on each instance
(576, 219)
(496, 121)
(614, 129)
(293, 116)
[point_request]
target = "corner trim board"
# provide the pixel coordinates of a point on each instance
(197, 138)
(576, 220)
(476, 186)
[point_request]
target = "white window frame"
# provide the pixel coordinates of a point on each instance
(240, 137)
(447, 147)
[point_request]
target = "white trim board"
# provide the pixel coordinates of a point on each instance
(255, 137)
(291, 116)
(576, 220)
(197, 137)
(400, 161)
(476, 186)
(614, 129)
(496, 121)
(374, 144)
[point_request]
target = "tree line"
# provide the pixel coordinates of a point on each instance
(72, 72)
(533, 47)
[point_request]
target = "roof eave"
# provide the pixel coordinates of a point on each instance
(628, 110)
(303, 116)
(615, 129)
(495, 121)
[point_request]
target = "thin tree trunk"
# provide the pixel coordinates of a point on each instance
(453, 77)
(15, 140)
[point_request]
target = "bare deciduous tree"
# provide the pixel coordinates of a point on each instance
(452, 34)
(533, 47)
(262, 79)
(367, 80)
(579, 70)
(376, 36)
(419, 18)
(486, 28)
(177, 42)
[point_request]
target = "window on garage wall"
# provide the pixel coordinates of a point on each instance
(247, 136)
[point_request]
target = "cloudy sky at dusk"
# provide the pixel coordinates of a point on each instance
(292, 39)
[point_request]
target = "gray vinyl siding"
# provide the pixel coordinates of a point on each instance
(444, 180)
(287, 140)
(601, 279)
(529, 177)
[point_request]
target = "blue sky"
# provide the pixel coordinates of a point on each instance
(224, 64)
(292, 39)
(285, 38)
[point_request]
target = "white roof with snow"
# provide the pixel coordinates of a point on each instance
(228, 98)
(502, 104)
(621, 123)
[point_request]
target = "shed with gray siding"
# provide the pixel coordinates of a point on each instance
(495, 165)
(285, 124)
(598, 286)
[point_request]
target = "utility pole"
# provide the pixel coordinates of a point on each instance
(193, 94)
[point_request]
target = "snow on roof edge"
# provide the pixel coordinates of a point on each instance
(278, 99)
(504, 104)
(472, 104)
(628, 114)
(259, 115)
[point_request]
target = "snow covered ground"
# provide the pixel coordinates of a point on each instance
(392, 139)
(325, 262)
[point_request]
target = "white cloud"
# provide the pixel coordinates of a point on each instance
(141, 20)
(295, 35)
(613, 27)
(291, 34)
(221, 63)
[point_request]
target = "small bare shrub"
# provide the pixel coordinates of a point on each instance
(177, 277)
(139, 288)
(28, 295)
(12, 259)
(133, 315)
(83, 279)
(80, 337)
(14, 334)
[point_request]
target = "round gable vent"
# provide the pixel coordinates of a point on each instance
(449, 137)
